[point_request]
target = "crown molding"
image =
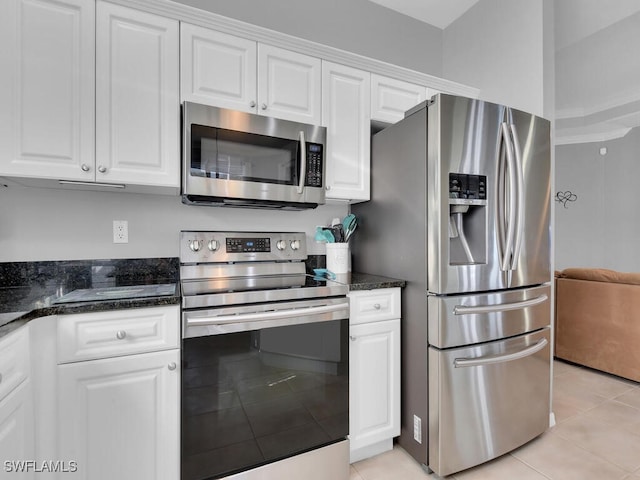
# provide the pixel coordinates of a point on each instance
(188, 14)
(591, 137)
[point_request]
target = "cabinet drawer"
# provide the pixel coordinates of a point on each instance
(116, 333)
(374, 305)
(14, 360)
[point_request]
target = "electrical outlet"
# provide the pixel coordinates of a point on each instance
(417, 429)
(120, 231)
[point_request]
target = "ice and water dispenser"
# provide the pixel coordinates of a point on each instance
(467, 219)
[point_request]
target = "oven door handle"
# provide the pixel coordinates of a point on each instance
(262, 316)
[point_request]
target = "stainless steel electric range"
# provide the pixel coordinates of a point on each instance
(265, 367)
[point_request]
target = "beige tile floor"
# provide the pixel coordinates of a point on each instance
(596, 437)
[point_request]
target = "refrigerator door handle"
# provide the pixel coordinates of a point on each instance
(519, 227)
(491, 359)
(500, 307)
(512, 187)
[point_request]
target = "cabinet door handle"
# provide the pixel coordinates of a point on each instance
(252, 104)
(85, 168)
(172, 366)
(102, 169)
(353, 339)
(376, 306)
(263, 106)
(121, 334)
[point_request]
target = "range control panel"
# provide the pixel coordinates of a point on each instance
(244, 245)
(219, 247)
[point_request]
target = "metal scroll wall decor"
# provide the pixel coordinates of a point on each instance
(564, 197)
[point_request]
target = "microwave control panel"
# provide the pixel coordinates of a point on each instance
(314, 165)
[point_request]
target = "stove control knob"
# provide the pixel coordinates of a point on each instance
(281, 244)
(195, 245)
(213, 245)
(295, 244)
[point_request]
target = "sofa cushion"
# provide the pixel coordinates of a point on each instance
(600, 275)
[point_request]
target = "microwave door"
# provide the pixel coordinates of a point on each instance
(238, 157)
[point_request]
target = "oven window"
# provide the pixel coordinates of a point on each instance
(232, 155)
(255, 397)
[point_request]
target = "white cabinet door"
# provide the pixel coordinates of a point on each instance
(374, 390)
(217, 69)
(346, 114)
(231, 72)
(289, 85)
(16, 432)
(137, 106)
(47, 88)
(119, 417)
(391, 98)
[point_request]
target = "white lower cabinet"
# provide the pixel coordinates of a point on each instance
(119, 417)
(16, 433)
(16, 407)
(374, 370)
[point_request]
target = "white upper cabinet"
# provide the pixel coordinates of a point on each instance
(137, 103)
(232, 72)
(346, 114)
(217, 69)
(391, 98)
(47, 88)
(289, 85)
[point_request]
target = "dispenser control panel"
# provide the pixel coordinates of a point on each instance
(467, 187)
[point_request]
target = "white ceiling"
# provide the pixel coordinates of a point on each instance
(439, 13)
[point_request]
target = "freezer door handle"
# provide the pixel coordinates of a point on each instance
(499, 307)
(492, 359)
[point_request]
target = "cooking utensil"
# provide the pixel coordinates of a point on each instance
(324, 235)
(338, 233)
(349, 224)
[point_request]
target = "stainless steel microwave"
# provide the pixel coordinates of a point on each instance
(239, 159)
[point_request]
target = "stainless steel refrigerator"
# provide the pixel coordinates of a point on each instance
(460, 209)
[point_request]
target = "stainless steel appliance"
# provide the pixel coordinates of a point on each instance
(240, 159)
(265, 368)
(460, 209)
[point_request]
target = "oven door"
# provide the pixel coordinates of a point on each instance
(235, 156)
(265, 383)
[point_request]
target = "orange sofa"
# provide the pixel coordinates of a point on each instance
(598, 320)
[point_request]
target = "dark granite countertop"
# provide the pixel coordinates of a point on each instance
(30, 290)
(367, 281)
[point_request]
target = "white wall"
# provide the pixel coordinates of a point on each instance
(51, 224)
(497, 46)
(602, 227)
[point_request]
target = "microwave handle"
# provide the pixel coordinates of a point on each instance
(303, 162)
